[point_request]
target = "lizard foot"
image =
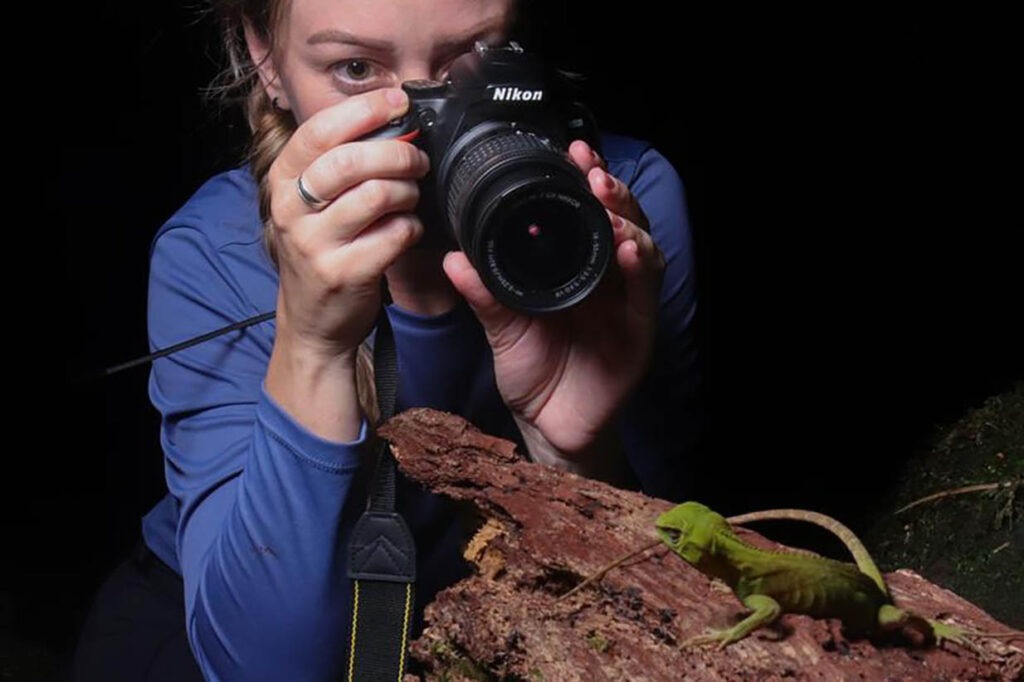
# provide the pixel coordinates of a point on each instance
(724, 638)
(765, 611)
(965, 637)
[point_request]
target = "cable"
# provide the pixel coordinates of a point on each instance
(174, 349)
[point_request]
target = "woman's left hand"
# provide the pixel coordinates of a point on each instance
(565, 375)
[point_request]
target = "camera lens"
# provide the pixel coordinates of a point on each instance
(525, 217)
(540, 242)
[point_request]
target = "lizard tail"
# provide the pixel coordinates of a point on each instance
(860, 554)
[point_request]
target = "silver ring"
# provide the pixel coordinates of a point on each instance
(310, 200)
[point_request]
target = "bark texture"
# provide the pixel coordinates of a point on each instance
(544, 530)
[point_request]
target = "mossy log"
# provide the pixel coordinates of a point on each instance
(544, 530)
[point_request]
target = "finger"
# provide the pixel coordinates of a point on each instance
(349, 164)
(610, 191)
(349, 119)
(616, 197)
(623, 230)
(502, 325)
(365, 203)
(584, 156)
(374, 249)
(642, 266)
(350, 214)
(642, 278)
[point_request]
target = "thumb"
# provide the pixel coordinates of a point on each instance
(498, 321)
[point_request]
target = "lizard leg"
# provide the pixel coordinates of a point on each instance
(891, 617)
(765, 610)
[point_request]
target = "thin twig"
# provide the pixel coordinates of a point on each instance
(618, 562)
(956, 491)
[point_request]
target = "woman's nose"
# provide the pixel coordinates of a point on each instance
(418, 72)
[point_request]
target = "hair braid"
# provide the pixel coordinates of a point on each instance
(271, 130)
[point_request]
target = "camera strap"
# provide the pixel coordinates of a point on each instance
(382, 554)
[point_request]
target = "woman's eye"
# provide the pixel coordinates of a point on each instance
(354, 76)
(355, 69)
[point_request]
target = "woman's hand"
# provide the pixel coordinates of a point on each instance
(331, 255)
(565, 375)
(331, 259)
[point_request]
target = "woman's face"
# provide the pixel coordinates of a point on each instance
(332, 49)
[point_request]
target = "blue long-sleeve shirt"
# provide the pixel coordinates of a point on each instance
(259, 508)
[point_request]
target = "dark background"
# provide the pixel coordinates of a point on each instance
(852, 182)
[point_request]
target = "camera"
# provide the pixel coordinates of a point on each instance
(502, 187)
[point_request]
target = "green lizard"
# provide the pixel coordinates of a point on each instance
(774, 582)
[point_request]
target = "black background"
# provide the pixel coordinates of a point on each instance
(852, 181)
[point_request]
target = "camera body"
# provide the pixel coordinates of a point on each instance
(502, 187)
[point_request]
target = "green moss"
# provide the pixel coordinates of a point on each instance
(971, 543)
(455, 664)
(597, 642)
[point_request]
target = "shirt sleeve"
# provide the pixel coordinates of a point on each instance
(661, 424)
(262, 530)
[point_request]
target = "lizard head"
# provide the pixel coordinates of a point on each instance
(689, 529)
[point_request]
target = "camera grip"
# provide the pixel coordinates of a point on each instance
(405, 128)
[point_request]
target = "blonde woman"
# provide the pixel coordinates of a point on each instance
(241, 571)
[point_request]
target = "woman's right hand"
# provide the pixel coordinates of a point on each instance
(330, 261)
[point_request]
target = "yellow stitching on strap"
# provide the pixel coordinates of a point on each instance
(355, 619)
(405, 631)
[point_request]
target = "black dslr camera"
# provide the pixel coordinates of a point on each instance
(501, 186)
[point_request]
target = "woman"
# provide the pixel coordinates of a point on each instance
(263, 429)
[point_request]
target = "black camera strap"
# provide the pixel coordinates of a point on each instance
(382, 554)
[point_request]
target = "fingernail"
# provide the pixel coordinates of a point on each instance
(447, 258)
(395, 97)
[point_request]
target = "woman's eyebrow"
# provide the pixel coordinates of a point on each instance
(346, 38)
(336, 36)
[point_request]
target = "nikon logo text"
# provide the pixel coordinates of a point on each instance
(517, 95)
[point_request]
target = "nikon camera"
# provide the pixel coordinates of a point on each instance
(502, 187)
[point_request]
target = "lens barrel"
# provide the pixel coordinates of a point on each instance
(525, 217)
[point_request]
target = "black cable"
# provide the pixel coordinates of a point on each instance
(263, 317)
